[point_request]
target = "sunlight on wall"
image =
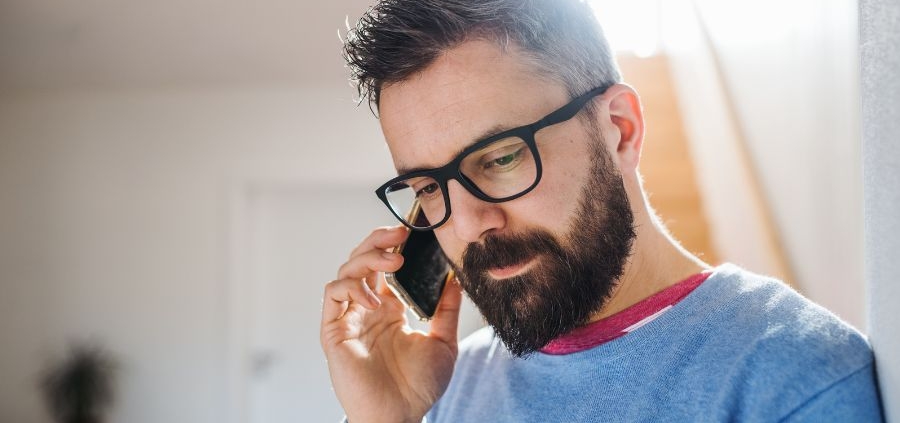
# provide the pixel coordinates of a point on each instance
(781, 82)
(630, 26)
(767, 21)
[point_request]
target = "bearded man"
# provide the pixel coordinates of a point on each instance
(508, 121)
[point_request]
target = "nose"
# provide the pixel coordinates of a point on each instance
(471, 218)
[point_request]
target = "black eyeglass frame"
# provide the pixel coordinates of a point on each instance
(442, 175)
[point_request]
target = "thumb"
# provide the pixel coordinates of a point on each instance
(446, 317)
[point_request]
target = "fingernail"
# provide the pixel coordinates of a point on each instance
(388, 256)
(374, 298)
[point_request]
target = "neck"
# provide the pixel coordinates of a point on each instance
(657, 262)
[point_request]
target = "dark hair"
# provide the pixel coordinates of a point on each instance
(395, 39)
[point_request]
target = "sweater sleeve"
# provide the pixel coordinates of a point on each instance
(853, 398)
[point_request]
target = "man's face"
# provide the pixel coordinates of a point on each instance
(572, 277)
(539, 265)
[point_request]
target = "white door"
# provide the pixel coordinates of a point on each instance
(297, 237)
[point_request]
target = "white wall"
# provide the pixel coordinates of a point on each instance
(880, 59)
(113, 222)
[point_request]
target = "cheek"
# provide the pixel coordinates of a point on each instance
(452, 247)
(550, 205)
(565, 172)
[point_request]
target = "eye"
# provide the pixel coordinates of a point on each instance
(505, 160)
(428, 190)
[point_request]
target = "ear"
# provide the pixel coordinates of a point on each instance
(626, 115)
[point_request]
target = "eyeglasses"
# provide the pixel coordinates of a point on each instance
(499, 168)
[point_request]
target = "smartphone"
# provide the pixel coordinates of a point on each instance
(420, 282)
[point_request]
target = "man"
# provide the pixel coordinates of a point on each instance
(509, 121)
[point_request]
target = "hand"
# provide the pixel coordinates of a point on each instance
(381, 370)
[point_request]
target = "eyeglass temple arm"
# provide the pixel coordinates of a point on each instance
(569, 110)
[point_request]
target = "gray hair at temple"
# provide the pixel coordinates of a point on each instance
(395, 39)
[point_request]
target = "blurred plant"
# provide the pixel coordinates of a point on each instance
(80, 387)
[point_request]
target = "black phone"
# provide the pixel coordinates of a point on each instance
(420, 282)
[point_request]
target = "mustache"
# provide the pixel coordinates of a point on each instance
(507, 250)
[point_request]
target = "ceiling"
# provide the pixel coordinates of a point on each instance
(47, 45)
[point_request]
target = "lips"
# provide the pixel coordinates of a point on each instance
(504, 272)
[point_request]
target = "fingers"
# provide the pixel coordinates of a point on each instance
(357, 278)
(373, 261)
(381, 239)
(340, 293)
(446, 317)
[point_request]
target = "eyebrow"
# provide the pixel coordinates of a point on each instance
(494, 130)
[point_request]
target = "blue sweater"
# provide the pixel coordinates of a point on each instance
(740, 347)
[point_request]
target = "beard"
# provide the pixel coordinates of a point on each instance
(571, 279)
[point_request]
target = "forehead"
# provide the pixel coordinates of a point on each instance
(469, 92)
